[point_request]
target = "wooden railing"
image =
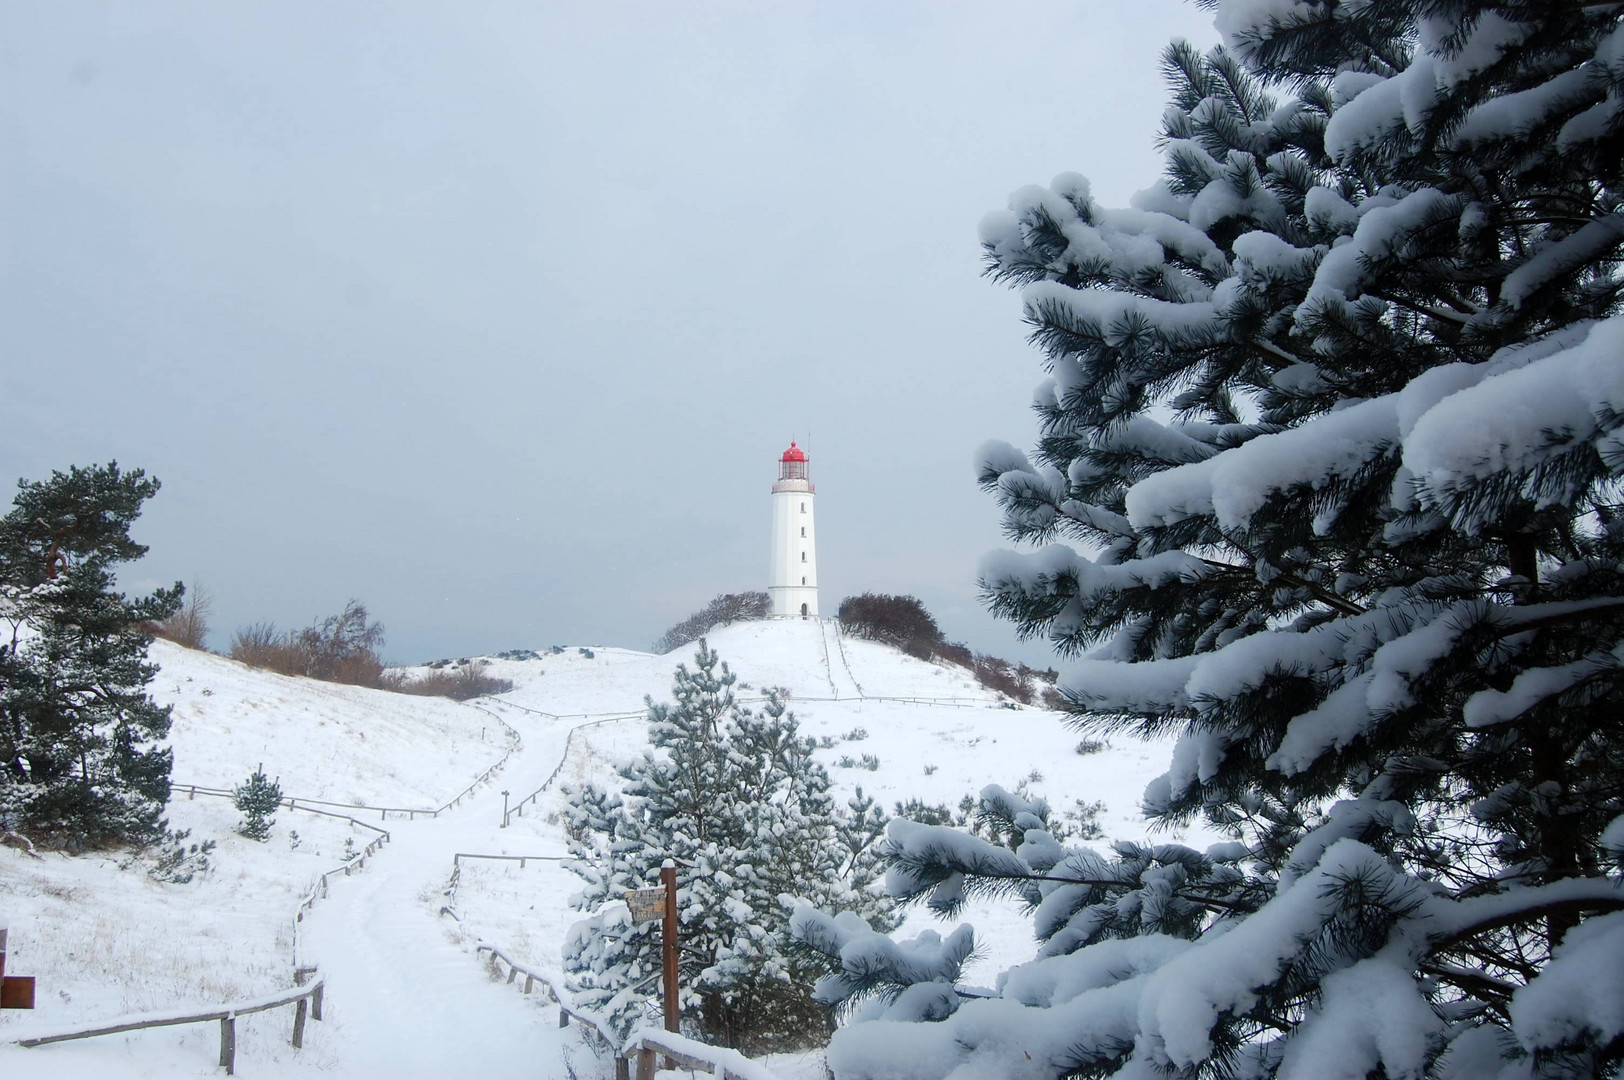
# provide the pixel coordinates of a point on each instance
(319, 890)
(306, 1000)
(649, 1043)
(456, 860)
(517, 809)
(643, 1045)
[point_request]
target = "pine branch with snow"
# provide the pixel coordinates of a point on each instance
(1326, 483)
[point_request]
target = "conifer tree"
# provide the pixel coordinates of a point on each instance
(81, 760)
(736, 797)
(1327, 484)
(258, 798)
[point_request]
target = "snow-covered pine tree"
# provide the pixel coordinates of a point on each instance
(1327, 482)
(258, 798)
(736, 797)
(81, 760)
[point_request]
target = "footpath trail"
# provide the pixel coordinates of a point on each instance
(404, 999)
(840, 676)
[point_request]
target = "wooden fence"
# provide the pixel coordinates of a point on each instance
(456, 860)
(318, 890)
(643, 1046)
(517, 810)
(305, 999)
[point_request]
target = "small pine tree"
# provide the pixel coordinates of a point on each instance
(176, 862)
(258, 799)
(736, 797)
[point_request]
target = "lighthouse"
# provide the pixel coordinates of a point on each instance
(794, 581)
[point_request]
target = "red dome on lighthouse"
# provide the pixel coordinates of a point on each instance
(792, 466)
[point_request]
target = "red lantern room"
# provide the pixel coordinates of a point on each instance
(792, 466)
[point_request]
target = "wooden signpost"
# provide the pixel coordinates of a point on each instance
(668, 943)
(661, 903)
(16, 991)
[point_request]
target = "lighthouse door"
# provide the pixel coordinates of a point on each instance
(803, 611)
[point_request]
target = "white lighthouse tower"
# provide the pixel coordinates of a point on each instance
(794, 581)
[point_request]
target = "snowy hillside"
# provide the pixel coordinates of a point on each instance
(324, 740)
(938, 736)
(104, 941)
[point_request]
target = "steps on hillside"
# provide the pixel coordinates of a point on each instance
(840, 676)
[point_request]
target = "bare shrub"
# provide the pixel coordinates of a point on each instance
(902, 621)
(341, 648)
(723, 610)
(1024, 684)
(459, 684)
(896, 620)
(1001, 676)
(344, 648)
(189, 626)
(262, 645)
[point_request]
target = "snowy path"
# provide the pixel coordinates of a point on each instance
(840, 676)
(406, 1000)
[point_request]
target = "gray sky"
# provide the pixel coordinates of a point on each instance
(497, 316)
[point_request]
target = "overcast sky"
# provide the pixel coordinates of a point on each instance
(498, 316)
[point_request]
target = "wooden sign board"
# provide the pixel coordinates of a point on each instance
(17, 992)
(646, 904)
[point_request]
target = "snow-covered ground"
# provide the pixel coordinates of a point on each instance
(322, 740)
(934, 752)
(406, 996)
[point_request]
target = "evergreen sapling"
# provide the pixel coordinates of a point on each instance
(735, 796)
(258, 799)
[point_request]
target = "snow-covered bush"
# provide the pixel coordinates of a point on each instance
(1327, 482)
(736, 797)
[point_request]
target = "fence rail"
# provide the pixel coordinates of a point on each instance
(642, 1046)
(456, 860)
(517, 809)
(306, 1001)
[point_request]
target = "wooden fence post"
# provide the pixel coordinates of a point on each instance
(315, 1001)
(299, 1022)
(623, 1069)
(645, 1064)
(228, 1043)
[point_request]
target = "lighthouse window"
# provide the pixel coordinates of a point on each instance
(803, 556)
(803, 582)
(803, 530)
(803, 508)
